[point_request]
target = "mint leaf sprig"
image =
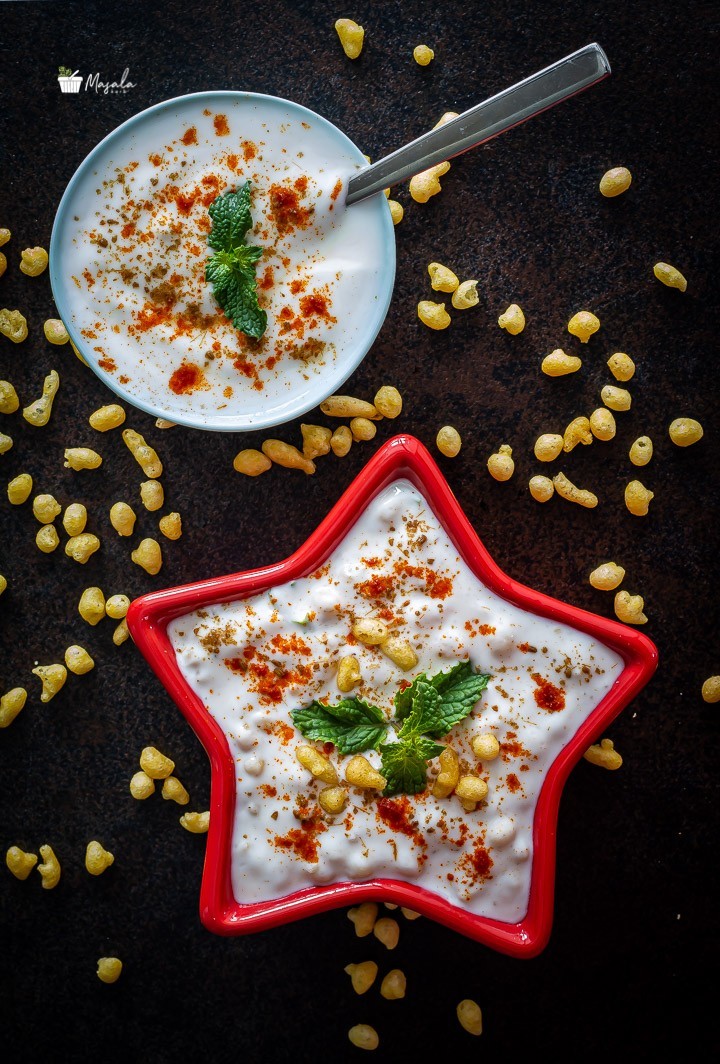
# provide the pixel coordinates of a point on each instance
(352, 725)
(231, 270)
(424, 711)
(458, 690)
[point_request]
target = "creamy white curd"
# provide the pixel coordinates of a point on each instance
(133, 249)
(252, 662)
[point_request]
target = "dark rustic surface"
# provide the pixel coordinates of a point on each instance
(635, 917)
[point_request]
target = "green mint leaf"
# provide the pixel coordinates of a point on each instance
(231, 218)
(404, 764)
(440, 681)
(458, 701)
(353, 725)
(426, 710)
(404, 768)
(459, 689)
(427, 747)
(425, 714)
(242, 259)
(235, 289)
(231, 270)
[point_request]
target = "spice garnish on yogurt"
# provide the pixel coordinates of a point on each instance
(271, 320)
(425, 710)
(366, 743)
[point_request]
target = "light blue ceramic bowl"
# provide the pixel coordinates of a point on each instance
(292, 389)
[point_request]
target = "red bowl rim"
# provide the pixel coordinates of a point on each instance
(402, 457)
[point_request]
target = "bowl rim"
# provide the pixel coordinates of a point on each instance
(402, 457)
(375, 318)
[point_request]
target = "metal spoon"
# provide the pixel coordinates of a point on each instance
(537, 93)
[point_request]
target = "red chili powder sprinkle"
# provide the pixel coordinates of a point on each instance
(375, 588)
(212, 183)
(463, 832)
(232, 161)
(397, 814)
(189, 136)
(108, 364)
(315, 306)
(249, 150)
(283, 731)
(302, 841)
(246, 368)
(405, 569)
(127, 230)
(186, 203)
(524, 647)
(548, 696)
(222, 129)
(269, 683)
(513, 749)
(436, 586)
(296, 325)
(287, 211)
(89, 278)
(297, 286)
(477, 863)
(292, 644)
(268, 791)
(513, 783)
(150, 316)
(155, 159)
(185, 379)
(336, 190)
(267, 280)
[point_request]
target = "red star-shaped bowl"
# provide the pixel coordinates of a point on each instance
(403, 457)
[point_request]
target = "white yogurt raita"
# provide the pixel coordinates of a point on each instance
(133, 251)
(253, 662)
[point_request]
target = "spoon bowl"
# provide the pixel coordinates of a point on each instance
(106, 263)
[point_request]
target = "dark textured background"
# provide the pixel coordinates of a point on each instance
(635, 924)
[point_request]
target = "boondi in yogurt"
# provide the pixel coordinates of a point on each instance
(255, 662)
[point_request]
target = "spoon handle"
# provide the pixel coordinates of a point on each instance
(509, 108)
